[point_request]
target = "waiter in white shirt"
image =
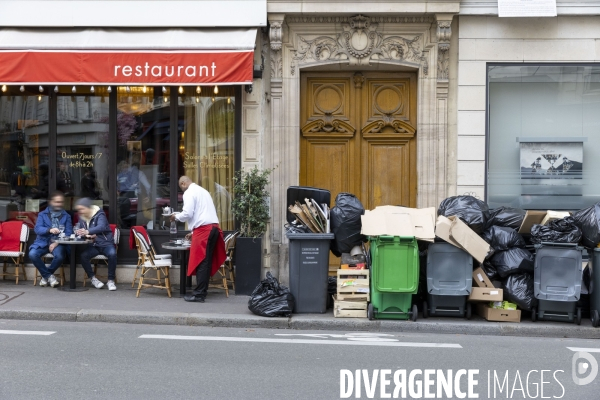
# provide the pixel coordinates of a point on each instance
(207, 253)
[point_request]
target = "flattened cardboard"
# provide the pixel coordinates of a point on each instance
(531, 218)
(481, 280)
(485, 294)
(554, 215)
(471, 242)
(377, 223)
(423, 220)
(493, 314)
(442, 230)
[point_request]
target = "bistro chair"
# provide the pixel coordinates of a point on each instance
(17, 256)
(102, 258)
(47, 259)
(226, 271)
(151, 264)
(157, 256)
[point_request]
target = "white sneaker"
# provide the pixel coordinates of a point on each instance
(111, 285)
(53, 281)
(97, 284)
(43, 282)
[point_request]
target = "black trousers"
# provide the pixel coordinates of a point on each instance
(204, 269)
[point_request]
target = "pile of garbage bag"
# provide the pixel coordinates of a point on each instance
(472, 211)
(588, 220)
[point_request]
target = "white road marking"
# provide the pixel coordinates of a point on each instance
(37, 333)
(590, 350)
(301, 341)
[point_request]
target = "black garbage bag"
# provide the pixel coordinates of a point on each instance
(588, 220)
(507, 217)
(331, 290)
(346, 223)
(270, 299)
(518, 289)
(557, 231)
(490, 271)
(513, 261)
(501, 238)
(472, 211)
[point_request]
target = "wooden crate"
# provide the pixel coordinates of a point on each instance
(349, 308)
(353, 282)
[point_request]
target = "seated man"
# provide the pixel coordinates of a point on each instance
(47, 230)
(94, 225)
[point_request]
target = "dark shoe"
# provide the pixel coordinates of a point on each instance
(193, 297)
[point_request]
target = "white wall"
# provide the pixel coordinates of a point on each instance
(485, 39)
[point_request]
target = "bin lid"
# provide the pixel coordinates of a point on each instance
(395, 264)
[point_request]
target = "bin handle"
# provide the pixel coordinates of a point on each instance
(559, 244)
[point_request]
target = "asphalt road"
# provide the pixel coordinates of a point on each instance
(66, 360)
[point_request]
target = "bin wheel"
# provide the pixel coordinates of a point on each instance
(370, 313)
(425, 310)
(595, 318)
(533, 314)
(578, 316)
(414, 314)
(469, 311)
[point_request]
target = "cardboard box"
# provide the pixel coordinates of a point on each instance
(471, 242)
(493, 314)
(485, 294)
(554, 215)
(531, 218)
(400, 221)
(442, 230)
(480, 279)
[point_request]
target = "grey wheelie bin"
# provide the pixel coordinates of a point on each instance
(449, 281)
(594, 289)
(557, 282)
(309, 268)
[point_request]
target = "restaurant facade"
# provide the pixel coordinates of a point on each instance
(116, 108)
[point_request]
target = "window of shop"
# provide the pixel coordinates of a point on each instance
(543, 136)
(125, 146)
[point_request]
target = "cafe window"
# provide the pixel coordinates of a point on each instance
(24, 158)
(543, 136)
(123, 145)
(206, 142)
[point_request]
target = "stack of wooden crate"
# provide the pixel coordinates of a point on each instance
(353, 293)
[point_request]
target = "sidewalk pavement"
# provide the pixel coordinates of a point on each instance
(25, 301)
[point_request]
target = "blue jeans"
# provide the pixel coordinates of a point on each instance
(92, 251)
(59, 253)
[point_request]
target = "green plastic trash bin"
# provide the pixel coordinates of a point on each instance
(394, 277)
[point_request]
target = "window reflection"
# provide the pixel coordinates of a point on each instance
(206, 144)
(143, 123)
(24, 157)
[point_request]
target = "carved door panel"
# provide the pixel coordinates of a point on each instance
(358, 136)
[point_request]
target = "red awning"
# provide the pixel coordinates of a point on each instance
(134, 57)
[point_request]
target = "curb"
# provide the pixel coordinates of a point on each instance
(308, 322)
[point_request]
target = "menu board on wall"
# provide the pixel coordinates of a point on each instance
(527, 8)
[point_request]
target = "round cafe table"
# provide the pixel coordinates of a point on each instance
(184, 264)
(72, 272)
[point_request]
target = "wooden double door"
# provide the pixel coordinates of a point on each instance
(358, 135)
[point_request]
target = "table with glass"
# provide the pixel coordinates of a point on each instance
(72, 271)
(183, 255)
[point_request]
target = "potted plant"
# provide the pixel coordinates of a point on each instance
(251, 211)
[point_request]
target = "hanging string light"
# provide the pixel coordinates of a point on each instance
(180, 89)
(127, 89)
(74, 89)
(22, 88)
(144, 89)
(198, 89)
(164, 89)
(4, 88)
(109, 90)
(55, 89)
(92, 90)
(41, 89)
(216, 90)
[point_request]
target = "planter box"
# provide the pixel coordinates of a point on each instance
(248, 264)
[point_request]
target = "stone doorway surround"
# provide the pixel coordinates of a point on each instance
(357, 42)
